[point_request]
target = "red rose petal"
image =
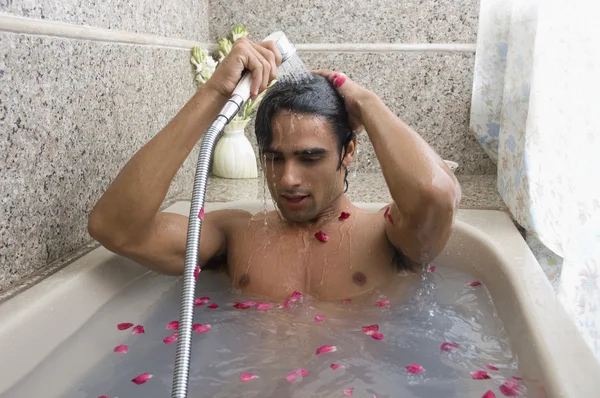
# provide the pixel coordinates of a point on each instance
(322, 236)
(141, 379)
(377, 336)
(448, 346)
(296, 296)
(246, 377)
(196, 272)
(415, 368)
(344, 216)
(285, 304)
(202, 328)
(173, 325)
(241, 306)
(382, 303)
(476, 283)
(348, 391)
(291, 377)
(491, 367)
(121, 349)
(489, 394)
(195, 326)
(517, 378)
(171, 339)
(432, 268)
(335, 366)
(204, 299)
(369, 330)
(197, 302)
(124, 326)
(319, 318)
(326, 349)
(510, 388)
(480, 375)
(213, 305)
(387, 216)
(264, 307)
(346, 301)
(139, 329)
(301, 372)
(201, 213)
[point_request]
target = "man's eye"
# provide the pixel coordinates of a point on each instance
(273, 158)
(311, 159)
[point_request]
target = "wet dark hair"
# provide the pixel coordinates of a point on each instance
(314, 96)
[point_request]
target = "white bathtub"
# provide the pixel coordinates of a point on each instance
(553, 359)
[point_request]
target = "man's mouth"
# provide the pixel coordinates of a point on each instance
(294, 201)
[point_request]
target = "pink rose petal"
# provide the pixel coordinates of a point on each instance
(326, 349)
(285, 304)
(344, 216)
(377, 336)
(510, 388)
(346, 301)
(476, 283)
(382, 303)
(139, 329)
(348, 391)
(296, 296)
(201, 328)
(369, 330)
(264, 307)
(197, 302)
(322, 236)
(489, 394)
(201, 213)
(319, 318)
(491, 367)
(432, 268)
(291, 377)
(517, 378)
(173, 325)
(124, 326)
(121, 349)
(246, 377)
(301, 372)
(335, 366)
(448, 346)
(241, 306)
(415, 368)
(204, 300)
(480, 375)
(196, 272)
(141, 379)
(213, 305)
(171, 339)
(250, 303)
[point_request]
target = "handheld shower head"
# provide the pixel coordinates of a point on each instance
(285, 47)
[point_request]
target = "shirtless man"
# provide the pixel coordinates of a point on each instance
(306, 143)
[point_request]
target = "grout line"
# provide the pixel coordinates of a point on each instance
(30, 26)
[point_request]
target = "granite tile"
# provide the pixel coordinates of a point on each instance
(351, 21)
(72, 113)
(429, 91)
(184, 19)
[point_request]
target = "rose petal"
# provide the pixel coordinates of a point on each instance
(201, 213)
(204, 300)
(377, 336)
(171, 339)
(369, 330)
(202, 328)
(448, 346)
(196, 272)
(491, 367)
(124, 326)
(346, 301)
(382, 303)
(322, 236)
(195, 326)
(173, 325)
(476, 283)
(245, 377)
(296, 296)
(432, 268)
(250, 303)
(285, 304)
(141, 379)
(348, 391)
(335, 366)
(197, 302)
(301, 372)
(326, 349)
(480, 375)
(415, 368)
(264, 307)
(517, 378)
(387, 216)
(489, 394)
(241, 306)
(139, 329)
(121, 349)
(213, 305)
(510, 388)
(291, 377)
(319, 318)
(344, 215)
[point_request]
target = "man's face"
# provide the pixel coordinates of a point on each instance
(301, 166)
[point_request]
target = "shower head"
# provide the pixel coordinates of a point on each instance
(285, 47)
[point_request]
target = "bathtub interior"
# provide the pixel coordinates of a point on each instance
(551, 356)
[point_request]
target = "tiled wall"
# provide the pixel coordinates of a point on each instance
(73, 111)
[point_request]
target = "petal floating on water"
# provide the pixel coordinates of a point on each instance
(203, 329)
(475, 283)
(291, 377)
(213, 305)
(141, 379)
(448, 346)
(369, 330)
(241, 306)
(510, 388)
(319, 318)
(491, 367)
(245, 377)
(171, 339)
(322, 236)
(124, 326)
(377, 336)
(139, 329)
(326, 349)
(335, 366)
(264, 306)
(121, 349)
(301, 372)
(489, 394)
(348, 391)
(480, 375)
(415, 368)
(173, 325)
(285, 304)
(382, 303)
(296, 296)
(432, 268)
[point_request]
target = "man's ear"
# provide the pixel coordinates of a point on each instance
(350, 151)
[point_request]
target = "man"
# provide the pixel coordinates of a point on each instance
(318, 242)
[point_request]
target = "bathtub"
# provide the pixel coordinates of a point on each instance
(552, 357)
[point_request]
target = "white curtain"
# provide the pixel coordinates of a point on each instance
(536, 112)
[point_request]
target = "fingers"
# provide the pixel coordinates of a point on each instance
(337, 78)
(269, 65)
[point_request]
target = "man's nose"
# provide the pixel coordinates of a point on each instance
(291, 175)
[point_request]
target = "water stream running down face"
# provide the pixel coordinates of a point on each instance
(447, 333)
